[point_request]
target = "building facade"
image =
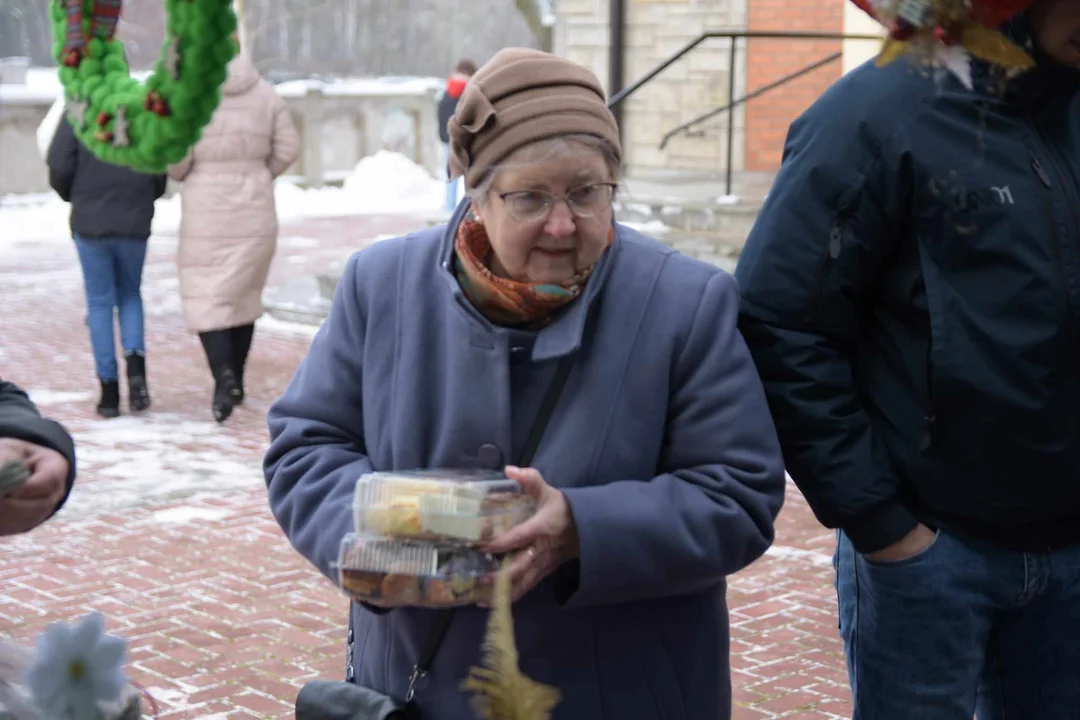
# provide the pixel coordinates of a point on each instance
(701, 81)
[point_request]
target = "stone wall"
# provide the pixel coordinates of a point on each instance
(340, 123)
(695, 84)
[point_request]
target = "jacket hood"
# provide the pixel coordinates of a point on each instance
(1049, 80)
(242, 76)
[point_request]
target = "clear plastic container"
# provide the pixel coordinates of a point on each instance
(394, 573)
(464, 507)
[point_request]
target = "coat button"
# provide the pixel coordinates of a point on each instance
(490, 456)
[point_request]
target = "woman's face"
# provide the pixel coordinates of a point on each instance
(533, 214)
(1056, 25)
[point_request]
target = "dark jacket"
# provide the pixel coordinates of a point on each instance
(911, 296)
(455, 86)
(20, 419)
(107, 201)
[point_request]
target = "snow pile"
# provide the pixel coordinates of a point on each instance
(362, 86)
(391, 182)
(386, 183)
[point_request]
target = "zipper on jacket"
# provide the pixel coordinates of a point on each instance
(930, 418)
(831, 252)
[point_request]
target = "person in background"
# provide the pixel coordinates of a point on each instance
(112, 209)
(455, 86)
(46, 449)
(228, 223)
(910, 296)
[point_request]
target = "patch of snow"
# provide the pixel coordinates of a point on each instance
(42, 86)
(182, 515)
(48, 398)
(169, 695)
(727, 200)
(155, 459)
(362, 86)
(273, 326)
(815, 558)
(386, 183)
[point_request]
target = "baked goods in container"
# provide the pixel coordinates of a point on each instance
(397, 573)
(450, 506)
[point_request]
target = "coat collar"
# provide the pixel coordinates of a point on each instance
(1045, 87)
(562, 337)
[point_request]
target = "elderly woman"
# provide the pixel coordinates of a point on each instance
(659, 473)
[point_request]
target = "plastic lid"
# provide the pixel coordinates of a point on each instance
(459, 506)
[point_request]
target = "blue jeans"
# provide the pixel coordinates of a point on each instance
(112, 274)
(451, 185)
(961, 630)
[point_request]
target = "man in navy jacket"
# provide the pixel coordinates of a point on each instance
(911, 296)
(49, 452)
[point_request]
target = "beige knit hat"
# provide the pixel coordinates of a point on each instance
(521, 96)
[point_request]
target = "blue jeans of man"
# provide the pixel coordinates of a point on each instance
(961, 629)
(112, 275)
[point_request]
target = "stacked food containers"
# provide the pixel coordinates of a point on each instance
(419, 536)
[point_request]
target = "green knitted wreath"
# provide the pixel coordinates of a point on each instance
(146, 126)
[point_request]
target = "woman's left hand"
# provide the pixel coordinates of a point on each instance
(543, 542)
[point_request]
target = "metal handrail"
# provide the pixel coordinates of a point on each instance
(734, 36)
(750, 96)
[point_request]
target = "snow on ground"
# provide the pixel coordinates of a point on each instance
(154, 459)
(386, 183)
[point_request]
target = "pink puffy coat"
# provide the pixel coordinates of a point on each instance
(228, 223)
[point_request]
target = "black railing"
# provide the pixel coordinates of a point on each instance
(733, 47)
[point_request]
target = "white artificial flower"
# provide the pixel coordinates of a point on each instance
(76, 668)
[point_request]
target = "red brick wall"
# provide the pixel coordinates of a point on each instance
(768, 117)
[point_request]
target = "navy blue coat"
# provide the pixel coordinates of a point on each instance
(911, 297)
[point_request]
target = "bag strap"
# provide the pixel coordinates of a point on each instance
(532, 443)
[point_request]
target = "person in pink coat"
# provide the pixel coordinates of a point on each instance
(228, 224)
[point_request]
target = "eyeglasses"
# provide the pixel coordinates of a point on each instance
(584, 201)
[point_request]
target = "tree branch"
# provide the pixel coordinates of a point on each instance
(530, 10)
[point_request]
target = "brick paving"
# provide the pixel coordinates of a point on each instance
(168, 533)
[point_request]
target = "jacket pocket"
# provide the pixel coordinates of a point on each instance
(829, 254)
(909, 560)
(935, 341)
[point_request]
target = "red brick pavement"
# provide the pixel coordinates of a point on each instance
(169, 534)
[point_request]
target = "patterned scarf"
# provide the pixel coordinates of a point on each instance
(503, 301)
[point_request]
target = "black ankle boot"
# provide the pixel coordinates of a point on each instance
(238, 390)
(109, 406)
(224, 395)
(138, 392)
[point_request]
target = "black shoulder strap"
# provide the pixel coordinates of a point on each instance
(536, 433)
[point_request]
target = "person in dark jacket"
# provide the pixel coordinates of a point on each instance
(48, 451)
(112, 208)
(911, 297)
(455, 86)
